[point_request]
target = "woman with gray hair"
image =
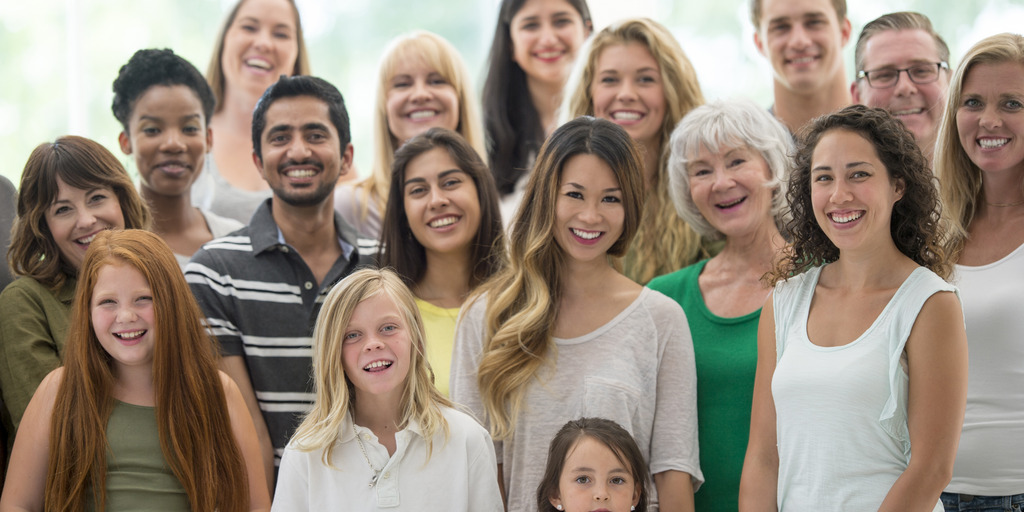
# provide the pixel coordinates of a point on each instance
(727, 170)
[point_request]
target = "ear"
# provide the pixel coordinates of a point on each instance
(758, 43)
(346, 159)
(901, 187)
(125, 142)
(588, 28)
(636, 494)
(846, 29)
(555, 502)
(209, 139)
(258, 162)
(855, 92)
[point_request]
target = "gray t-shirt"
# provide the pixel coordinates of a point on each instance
(637, 370)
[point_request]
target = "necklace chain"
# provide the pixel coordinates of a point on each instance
(1005, 205)
(376, 472)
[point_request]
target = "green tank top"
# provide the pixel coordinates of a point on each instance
(138, 477)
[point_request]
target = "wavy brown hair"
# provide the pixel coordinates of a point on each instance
(916, 225)
(522, 299)
(81, 163)
(191, 410)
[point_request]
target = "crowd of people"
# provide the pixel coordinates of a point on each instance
(591, 290)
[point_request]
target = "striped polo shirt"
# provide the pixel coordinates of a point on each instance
(261, 301)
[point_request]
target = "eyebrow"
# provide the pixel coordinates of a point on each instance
(848, 166)
(311, 126)
(441, 174)
(87, 192)
(155, 118)
(591, 470)
(577, 186)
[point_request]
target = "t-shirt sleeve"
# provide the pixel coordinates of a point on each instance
(469, 342)
(292, 492)
(212, 286)
(484, 493)
(28, 349)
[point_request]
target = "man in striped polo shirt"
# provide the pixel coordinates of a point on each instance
(262, 286)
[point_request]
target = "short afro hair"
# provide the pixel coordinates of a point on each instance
(157, 67)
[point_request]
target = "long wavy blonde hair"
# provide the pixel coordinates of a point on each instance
(335, 393)
(959, 178)
(664, 243)
(522, 299)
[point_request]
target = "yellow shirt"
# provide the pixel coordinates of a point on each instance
(439, 326)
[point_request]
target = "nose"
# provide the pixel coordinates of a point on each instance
(373, 342)
(990, 118)
(547, 35)
(722, 181)
(906, 86)
(626, 92)
(437, 198)
(840, 192)
(125, 315)
(799, 39)
(590, 213)
(172, 142)
(420, 92)
(263, 39)
(85, 218)
(298, 150)
(601, 492)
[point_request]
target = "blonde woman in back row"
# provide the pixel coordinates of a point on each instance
(422, 84)
(634, 74)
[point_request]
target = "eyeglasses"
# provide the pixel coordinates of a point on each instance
(888, 77)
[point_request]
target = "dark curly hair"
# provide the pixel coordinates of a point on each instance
(157, 67)
(916, 226)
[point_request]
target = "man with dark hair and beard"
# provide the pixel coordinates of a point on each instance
(261, 287)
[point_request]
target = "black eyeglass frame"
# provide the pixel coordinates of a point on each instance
(866, 75)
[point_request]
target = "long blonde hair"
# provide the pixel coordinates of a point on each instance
(335, 394)
(665, 242)
(440, 55)
(522, 299)
(959, 178)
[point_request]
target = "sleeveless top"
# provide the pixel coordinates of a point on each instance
(841, 412)
(138, 477)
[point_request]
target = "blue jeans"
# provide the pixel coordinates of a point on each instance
(964, 502)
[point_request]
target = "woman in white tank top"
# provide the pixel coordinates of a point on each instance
(862, 355)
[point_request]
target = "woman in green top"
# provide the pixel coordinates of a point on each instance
(70, 190)
(726, 170)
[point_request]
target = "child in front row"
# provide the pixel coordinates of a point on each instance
(380, 435)
(593, 464)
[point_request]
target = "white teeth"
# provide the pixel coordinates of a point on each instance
(586, 235)
(627, 116)
(444, 221)
(420, 114)
(258, 63)
(87, 240)
(377, 364)
(549, 55)
(300, 173)
(802, 60)
(130, 335)
(839, 218)
(992, 143)
(733, 203)
(907, 112)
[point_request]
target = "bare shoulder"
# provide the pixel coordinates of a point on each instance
(230, 388)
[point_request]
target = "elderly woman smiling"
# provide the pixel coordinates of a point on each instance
(726, 169)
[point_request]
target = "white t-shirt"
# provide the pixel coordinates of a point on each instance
(636, 370)
(841, 412)
(460, 474)
(990, 459)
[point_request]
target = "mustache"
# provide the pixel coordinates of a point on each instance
(309, 162)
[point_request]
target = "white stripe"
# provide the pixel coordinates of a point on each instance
(280, 342)
(285, 396)
(278, 352)
(299, 408)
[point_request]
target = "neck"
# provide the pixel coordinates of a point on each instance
(445, 283)
(588, 279)
(795, 108)
(756, 251)
(545, 98)
(870, 267)
(379, 413)
(309, 229)
(134, 385)
(171, 214)
(1000, 192)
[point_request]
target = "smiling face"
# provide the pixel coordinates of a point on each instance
(259, 46)
(852, 192)
(546, 34)
(919, 106)
(419, 98)
(588, 211)
(376, 349)
(730, 189)
(168, 136)
(77, 215)
(302, 156)
(803, 40)
(990, 117)
(594, 479)
(441, 203)
(123, 315)
(628, 91)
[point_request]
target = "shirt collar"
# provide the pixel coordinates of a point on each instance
(264, 233)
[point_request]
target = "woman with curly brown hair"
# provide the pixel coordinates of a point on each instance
(862, 353)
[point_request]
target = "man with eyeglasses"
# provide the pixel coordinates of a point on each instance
(903, 67)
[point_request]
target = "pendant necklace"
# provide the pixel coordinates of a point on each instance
(376, 472)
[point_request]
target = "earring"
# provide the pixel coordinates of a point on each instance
(559, 507)
(632, 509)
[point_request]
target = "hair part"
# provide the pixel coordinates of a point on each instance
(960, 177)
(401, 250)
(897, 21)
(80, 163)
(321, 428)
(293, 87)
(608, 433)
(149, 68)
(514, 131)
(215, 70)
(191, 409)
(522, 299)
(727, 124)
(915, 226)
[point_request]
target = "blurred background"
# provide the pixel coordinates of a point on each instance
(61, 56)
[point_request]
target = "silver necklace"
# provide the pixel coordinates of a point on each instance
(376, 472)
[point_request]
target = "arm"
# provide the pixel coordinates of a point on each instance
(248, 444)
(937, 359)
(501, 487)
(675, 491)
(234, 367)
(760, 480)
(31, 456)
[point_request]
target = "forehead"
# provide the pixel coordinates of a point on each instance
(167, 100)
(631, 55)
(430, 163)
(298, 111)
(532, 8)
(899, 48)
(781, 10)
(276, 12)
